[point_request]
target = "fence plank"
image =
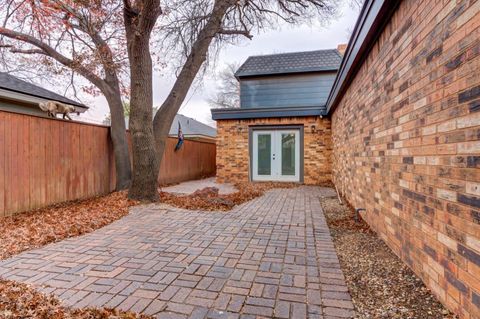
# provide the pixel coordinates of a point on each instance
(33, 147)
(25, 164)
(3, 155)
(8, 159)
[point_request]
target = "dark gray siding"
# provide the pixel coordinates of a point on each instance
(286, 90)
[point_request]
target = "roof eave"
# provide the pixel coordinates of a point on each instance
(274, 112)
(33, 99)
(198, 135)
(300, 71)
(372, 19)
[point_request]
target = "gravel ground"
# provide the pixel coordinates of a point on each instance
(381, 285)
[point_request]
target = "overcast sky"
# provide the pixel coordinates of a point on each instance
(285, 39)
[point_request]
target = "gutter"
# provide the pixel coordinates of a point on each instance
(246, 75)
(373, 18)
(263, 112)
(34, 100)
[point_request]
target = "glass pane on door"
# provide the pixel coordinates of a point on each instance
(264, 154)
(288, 154)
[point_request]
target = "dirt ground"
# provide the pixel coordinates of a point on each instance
(381, 285)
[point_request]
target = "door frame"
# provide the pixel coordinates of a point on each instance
(253, 128)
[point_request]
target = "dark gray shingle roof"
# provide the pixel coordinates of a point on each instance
(295, 62)
(191, 127)
(11, 83)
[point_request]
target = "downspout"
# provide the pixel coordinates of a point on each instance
(357, 214)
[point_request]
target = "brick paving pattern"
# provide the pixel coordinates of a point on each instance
(270, 257)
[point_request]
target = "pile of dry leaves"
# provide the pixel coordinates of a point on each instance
(22, 301)
(209, 198)
(381, 285)
(42, 226)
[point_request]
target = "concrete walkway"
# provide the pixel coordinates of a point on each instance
(270, 257)
(190, 187)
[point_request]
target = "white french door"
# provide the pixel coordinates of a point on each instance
(276, 155)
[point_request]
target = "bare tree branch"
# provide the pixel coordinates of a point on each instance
(51, 52)
(236, 32)
(228, 90)
(31, 51)
(66, 38)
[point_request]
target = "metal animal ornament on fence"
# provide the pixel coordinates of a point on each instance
(180, 137)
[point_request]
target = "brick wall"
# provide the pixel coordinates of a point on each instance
(233, 153)
(406, 138)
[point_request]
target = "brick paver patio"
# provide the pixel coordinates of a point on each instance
(270, 257)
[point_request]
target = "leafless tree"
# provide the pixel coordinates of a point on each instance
(196, 29)
(99, 35)
(228, 91)
(64, 38)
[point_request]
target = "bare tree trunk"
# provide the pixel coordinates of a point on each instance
(198, 55)
(139, 23)
(123, 167)
(145, 161)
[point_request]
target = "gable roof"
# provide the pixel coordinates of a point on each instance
(11, 83)
(191, 127)
(294, 62)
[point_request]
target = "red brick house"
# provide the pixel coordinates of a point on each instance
(399, 135)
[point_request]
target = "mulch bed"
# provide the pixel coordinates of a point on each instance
(209, 199)
(39, 227)
(22, 301)
(381, 285)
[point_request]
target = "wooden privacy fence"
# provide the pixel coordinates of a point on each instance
(45, 161)
(194, 160)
